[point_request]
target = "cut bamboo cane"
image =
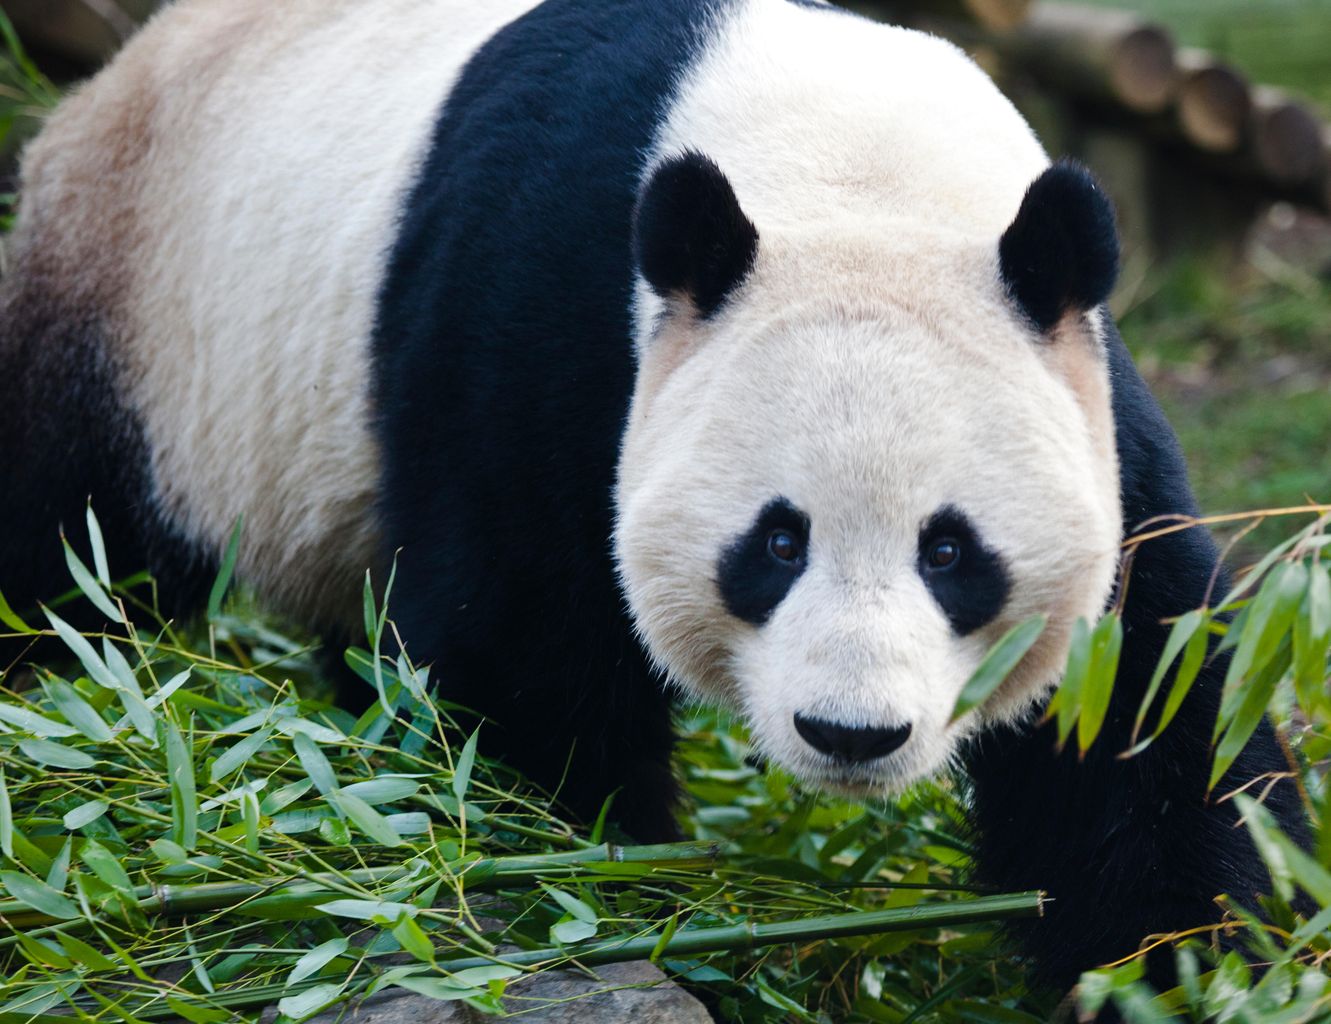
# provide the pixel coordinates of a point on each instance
(999, 15)
(1213, 102)
(686, 942)
(1285, 140)
(478, 876)
(1097, 54)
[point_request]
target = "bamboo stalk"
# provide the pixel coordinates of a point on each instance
(482, 875)
(1098, 54)
(689, 942)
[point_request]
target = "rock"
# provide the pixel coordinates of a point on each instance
(634, 993)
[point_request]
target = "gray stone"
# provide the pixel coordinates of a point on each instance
(635, 993)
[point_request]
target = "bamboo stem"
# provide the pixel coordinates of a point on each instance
(481, 875)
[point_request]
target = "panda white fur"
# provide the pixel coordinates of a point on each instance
(743, 343)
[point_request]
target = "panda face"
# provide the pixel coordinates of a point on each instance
(841, 488)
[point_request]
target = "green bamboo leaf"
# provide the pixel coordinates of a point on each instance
(41, 953)
(249, 810)
(663, 943)
(366, 818)
(567, 932)
(1182, 632)
(380, 911)
(371, 613)
(333, 831)
(311, 1001)
(56, 755)
(1293, 862)
(239, 755)
(77, 711)
(106, 867)
(6, 819)
(1256, 693)
(85, 814)
(168, 851)
(30, 721)
(412, 939)
(92, 664)
(180, 769)
(414, 823)
(314, 730)
(88, 584)
(1267, 619)
(1069, 695)
(169, 687)
(1106, 645)
(11, 620)
(1194, 656)
(225, 572)
(462, 770)
(39, 896)
(98, 544)
(383, 789)
(441, 990)
(197, 1013)
(83, 954)
(316, 765)
(997, 665)
(1312, 638)
(57, 877)
(316, 960)
(481, 976)
(572, 905)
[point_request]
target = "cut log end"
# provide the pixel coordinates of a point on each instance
(1000, 15)
(1142, 71)
(1286, 139)
(1214, 106)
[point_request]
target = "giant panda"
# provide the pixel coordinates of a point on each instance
(741, 347)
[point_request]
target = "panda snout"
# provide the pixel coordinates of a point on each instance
(851, 743)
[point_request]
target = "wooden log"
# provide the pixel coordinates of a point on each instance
(999, 15)
(1099, 54)
(86, 32)
(1213, 102)
(1285, 140)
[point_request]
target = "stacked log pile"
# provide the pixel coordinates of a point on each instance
(1125, 71)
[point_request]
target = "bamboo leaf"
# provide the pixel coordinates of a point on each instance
(106, 867)
(98, 545)
(30, 721)
(225, 571)
(316, 765)
(317, 959)
(311, 1001)
(412, 939)
(77, 711)
(11, 621)
(1106, 644)
(56, 755)
(572, 905)
(366, 818)
(384, 789)
(381, 911)
(84, 954)
(180, 770)
(462, 771)
(1256, 693)
(39, 896)
(238, 755)
(1002, 658)
(57, 877)
(1179, 636)
(88, 584)
(1069, 696)
(92, 664)
(6, 819)
(85, 814)
(663, 943)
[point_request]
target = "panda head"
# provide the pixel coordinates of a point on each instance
(860, 453)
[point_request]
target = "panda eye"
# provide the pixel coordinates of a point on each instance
(943, 554)
(783, 546)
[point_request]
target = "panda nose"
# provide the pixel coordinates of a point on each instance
(849, 742)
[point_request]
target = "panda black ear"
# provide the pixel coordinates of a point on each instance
(690, 236)
(1060, 255)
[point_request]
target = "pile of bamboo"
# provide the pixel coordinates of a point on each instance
(1130, 68)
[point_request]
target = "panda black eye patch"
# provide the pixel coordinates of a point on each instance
(967, 579)
(757, 570)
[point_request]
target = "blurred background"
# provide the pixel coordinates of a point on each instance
(1209, 121)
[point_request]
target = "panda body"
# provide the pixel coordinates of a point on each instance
(578, 306)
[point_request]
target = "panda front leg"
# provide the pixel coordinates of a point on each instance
(1130, 847)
